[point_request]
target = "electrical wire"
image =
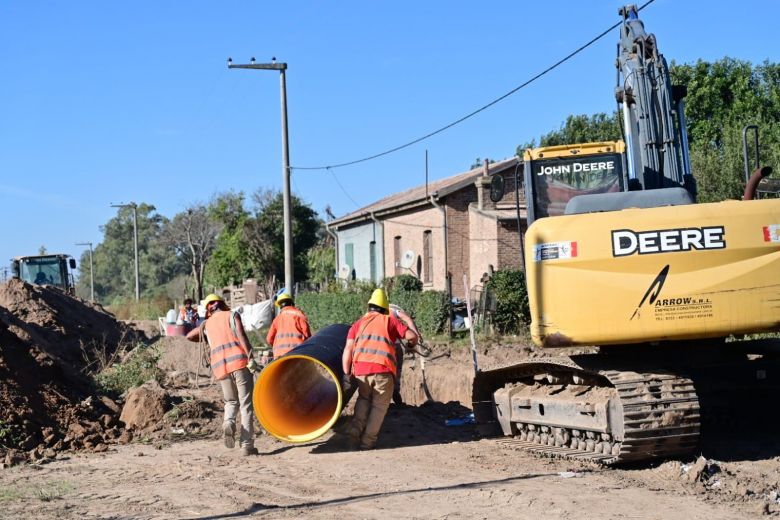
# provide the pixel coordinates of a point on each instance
(342, 188)
(477, 111)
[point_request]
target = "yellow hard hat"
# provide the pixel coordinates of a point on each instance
(211, 298)
(282, 297)
(379, 299)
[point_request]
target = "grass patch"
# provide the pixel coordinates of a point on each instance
(9, 494)
(49, 491)
(139, 366)
(53, 491)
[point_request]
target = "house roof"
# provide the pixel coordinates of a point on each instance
(417, 195)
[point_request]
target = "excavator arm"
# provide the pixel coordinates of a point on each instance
(653, 111)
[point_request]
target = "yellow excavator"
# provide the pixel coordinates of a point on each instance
(619, 256)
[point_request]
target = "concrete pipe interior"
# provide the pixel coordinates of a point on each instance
(297, 398)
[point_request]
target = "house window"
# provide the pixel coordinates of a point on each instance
(427, 257)
(372, 259)
(349, 257)
(397, 255)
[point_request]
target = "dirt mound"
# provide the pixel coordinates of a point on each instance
(145, 406)
(49, 341)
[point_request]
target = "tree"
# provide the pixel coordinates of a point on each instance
(114, 257)
(723, 97)
(265, 234)
(192, 234)
(579, 129)
(321, 258)
(230, 263)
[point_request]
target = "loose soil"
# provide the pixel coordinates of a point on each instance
(422, 468)
(49, 344)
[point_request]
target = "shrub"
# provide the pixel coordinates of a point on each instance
(139, 366)
(433, 312)
(325, 309)
(511, 296)
(429, 309)
(145, 309)
(403, 282)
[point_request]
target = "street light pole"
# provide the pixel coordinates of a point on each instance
(91, 271)
(134, 207)
(286, 202)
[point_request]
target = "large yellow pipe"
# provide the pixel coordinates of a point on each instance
(298, 397)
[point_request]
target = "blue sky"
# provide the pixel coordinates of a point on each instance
(106, 102)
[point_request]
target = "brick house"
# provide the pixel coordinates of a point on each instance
(437, 233)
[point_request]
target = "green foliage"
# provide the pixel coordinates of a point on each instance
(579, 129)
(114, 262)
(321, 263)
(511, 295)
(53, 490)
(143, 309)
(432, 312)
(327, 308)
(265, 234)
(11, 434)
(403, 282)
(229, 263)
(429, 309)
(723, 97)
(139, 366)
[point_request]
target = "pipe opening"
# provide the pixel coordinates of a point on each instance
(297, 398)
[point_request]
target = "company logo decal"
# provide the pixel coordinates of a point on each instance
(627, 242)
(653, 291)
(555, 251)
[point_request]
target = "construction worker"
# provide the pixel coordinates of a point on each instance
(369, 355)
(289, 329)
(188, 313)
(231, 360)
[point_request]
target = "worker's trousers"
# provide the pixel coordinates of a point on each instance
(237, 390)
(375, 391)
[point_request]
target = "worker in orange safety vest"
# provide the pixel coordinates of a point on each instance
(289, 329)
(369, 356)
(231, 359)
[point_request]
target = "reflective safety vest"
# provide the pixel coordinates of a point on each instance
(372, 342)
(227, 354)
(290, 329)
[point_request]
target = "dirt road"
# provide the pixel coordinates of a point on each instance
(420, 469)
(416, 478)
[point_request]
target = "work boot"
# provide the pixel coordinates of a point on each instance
(247, 451)
(229, 434)
(354, 442)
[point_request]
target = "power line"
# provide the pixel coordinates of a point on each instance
(342, 188)
(475, 112)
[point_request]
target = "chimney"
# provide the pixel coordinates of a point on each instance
(483, 186)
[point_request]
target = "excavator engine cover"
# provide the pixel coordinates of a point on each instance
(655, 274)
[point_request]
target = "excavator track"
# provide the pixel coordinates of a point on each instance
(651, 414)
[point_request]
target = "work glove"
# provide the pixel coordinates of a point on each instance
(252, 365)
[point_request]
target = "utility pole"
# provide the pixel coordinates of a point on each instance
(134, 206)
(91, 271)
(288, 247)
